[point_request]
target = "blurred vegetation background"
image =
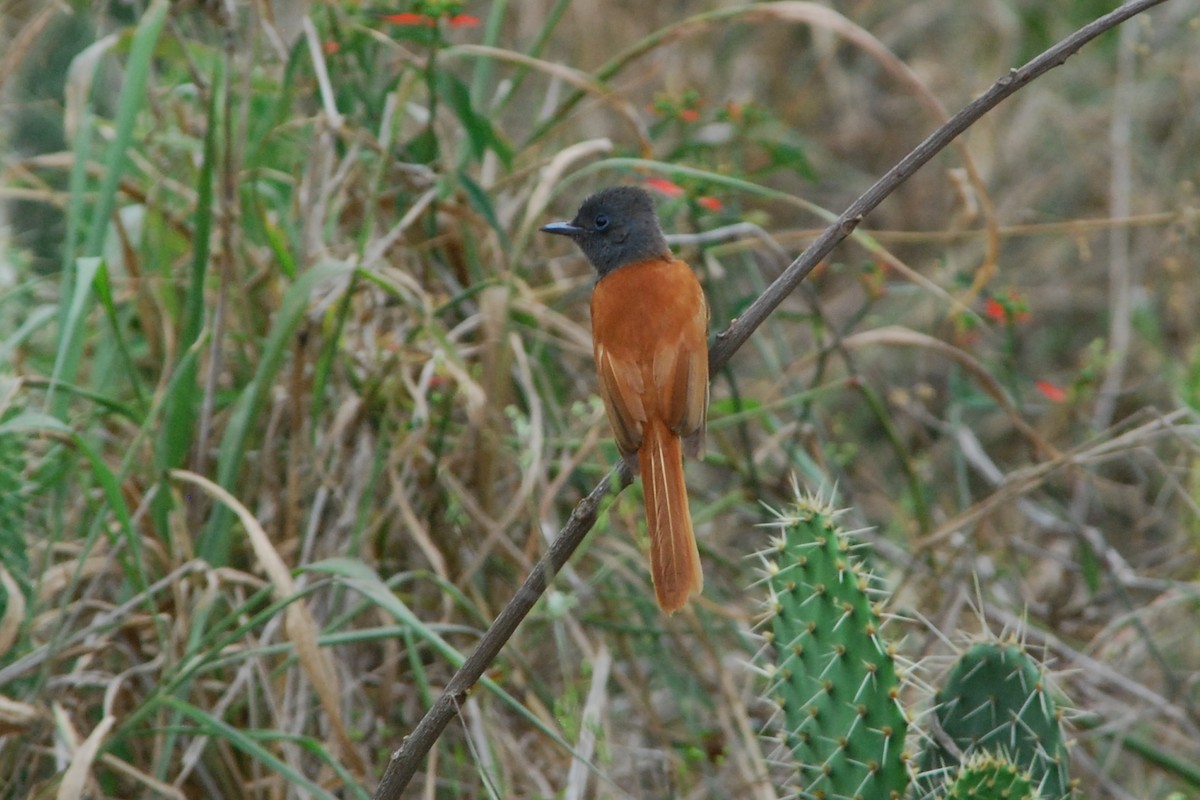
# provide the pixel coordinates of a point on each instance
(292, 395)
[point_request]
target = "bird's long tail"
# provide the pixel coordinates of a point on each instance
(674, 559)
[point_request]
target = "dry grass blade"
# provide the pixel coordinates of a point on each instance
(590, 720)
(18, 49)
(77, 778)
(14, 610)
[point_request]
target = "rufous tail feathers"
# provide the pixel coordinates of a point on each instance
(674, 559)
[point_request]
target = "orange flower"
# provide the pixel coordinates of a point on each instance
(330, 47)
(711, 203)
(664, 186)
(689, 115)
(464, 21)
(1054, 394)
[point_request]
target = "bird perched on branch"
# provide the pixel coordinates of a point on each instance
(650, 341)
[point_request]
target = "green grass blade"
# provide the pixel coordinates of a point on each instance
(251, 746)
(70, 336)
(133, 95)
(37, 318)
(70, 347)
(181, 403)
(129, 376)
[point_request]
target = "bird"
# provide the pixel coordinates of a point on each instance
(650, 343)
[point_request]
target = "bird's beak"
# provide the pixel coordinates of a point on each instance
(562, 229)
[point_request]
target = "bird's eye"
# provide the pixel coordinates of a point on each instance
(601, 222)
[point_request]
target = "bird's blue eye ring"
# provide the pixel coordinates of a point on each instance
(601, 222)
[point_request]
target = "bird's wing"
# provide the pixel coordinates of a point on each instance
(695, 416)
(621, 388)
(683, 379)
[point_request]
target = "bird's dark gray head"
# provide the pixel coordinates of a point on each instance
(615, 227)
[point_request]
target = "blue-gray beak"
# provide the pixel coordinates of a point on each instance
(562, 229)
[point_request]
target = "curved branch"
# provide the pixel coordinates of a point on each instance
(404, 761)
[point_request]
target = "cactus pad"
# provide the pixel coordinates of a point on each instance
(995, 701)
(834, 677)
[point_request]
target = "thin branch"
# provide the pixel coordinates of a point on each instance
(404, 762)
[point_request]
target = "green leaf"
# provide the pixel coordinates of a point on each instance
(480, 133)
(1090, 566)
(481, 202)
(790, 157)
(423, 148)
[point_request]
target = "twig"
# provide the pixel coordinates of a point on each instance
(404, 762)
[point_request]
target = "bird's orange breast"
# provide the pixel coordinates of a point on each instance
(650, 336)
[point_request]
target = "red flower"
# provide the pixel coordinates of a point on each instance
(330, 47)
(995, 309)
(1051, 392)
(689, 115)
(664, 186)
(711, 203)
(410, 18)
(413, 18)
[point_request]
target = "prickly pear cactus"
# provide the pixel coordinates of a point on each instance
(995, 701)
(834, 676)
(989, 777)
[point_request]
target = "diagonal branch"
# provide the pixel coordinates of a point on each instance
(404, 761)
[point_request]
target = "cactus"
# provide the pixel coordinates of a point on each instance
(995, 701)
(834, 677)
(990, 777)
